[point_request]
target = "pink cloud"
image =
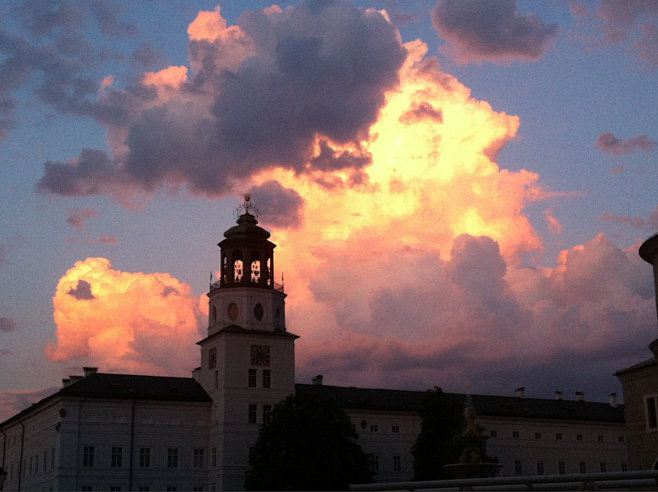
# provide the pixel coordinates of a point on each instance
(608, 143)
(78, 216)
(491, 30)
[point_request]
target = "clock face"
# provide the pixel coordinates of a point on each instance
(233, 311)
(259, 311)
(260, 355)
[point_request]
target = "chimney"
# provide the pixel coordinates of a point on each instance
(580, 396)
(558, 395)
(613, 400)
(520, 392)
(75, 379)
(317, 380)
(88, 371)
(66, 382)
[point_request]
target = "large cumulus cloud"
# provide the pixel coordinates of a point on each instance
(294, 78)
(124, 321)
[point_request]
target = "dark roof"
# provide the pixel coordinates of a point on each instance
(492, 406)
(127, 387)
(131, 386)
(647, 363)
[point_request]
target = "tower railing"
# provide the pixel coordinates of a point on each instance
(219, 284)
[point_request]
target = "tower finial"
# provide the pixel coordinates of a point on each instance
(247, 207)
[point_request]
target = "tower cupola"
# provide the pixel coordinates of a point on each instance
(247, 256)
(246, 295)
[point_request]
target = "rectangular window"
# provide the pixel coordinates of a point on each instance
(198, 457)
(518, 467)
(88, 456)
(540, 467)
(86, 488)
(144, 457)
(267, 378)
(624, 467)
(558, 436)
(375, 463)
(397, 464)
(582, 467)
(395, 429)
(493, 433)
(214, 456)
(267, 410)
(45, 460)
(252, 378)
(515, 434)
(603, 467)
(374, 428)
(651, 408)
(115, 488)
(599, 437)
(172, 489)
(216, 379)
(561, 467)
(579, 437)
(253, 409)
(36, 463)
(52, 458)
(172, 457)
(620, 438)
(537, 435)
(116, 458)
(212, 358)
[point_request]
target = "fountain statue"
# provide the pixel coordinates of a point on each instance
(473, 461)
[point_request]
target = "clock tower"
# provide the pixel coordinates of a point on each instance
(248, 358)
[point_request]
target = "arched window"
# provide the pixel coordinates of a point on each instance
(237, 271)
(214, 314)
(268, 272)
(255, 271)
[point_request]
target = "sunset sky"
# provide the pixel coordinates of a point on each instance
(457, 188)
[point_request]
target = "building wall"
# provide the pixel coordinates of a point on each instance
(522, 446)
(82, 435)
(32, 450)
(639, 385)
(547, 447)
(388, 436)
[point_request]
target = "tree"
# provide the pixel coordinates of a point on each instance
(308, 444)
(439, 442)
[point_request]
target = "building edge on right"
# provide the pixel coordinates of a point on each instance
(640, 386)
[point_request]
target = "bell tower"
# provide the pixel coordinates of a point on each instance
(248, 358)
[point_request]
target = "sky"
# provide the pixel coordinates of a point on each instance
(457, 188)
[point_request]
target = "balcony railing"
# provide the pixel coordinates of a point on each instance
(218, 284)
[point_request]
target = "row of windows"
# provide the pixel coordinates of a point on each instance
(558, 436)
(266, 380)
(396, 463)
(252, 413)
(562, 467)
(395, 429)
(144, 456)
(33, 465)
